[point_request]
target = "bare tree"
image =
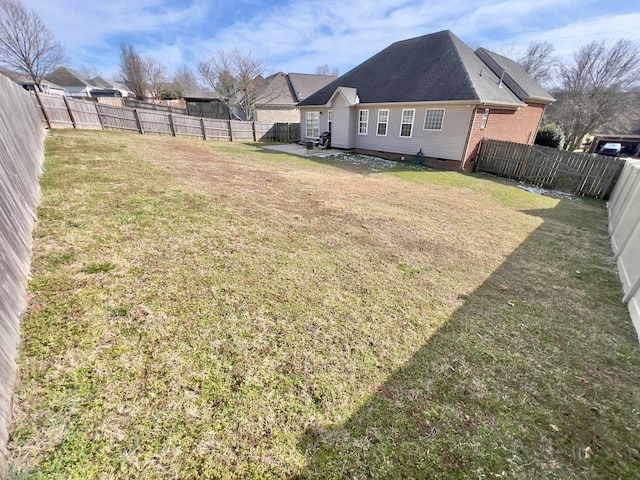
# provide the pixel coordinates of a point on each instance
(538, 61)
(593, 86)
(326, 69)
(186, 81)
(26, 44)
(89, 72)
(132, 70)
(155, 74)
(508, 50)
(234, 76)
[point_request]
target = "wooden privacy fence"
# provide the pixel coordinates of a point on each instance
(624, 230)
(68, 112)
(21, 157)
(583, 174)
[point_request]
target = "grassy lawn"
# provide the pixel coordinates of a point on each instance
(215, 310)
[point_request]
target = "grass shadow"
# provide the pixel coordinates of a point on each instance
(535, 376)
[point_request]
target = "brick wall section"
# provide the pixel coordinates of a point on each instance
(518, 126)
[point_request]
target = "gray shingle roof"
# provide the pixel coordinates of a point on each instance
(432, 68)
(275, 90)
(515, 77)
(289, 89)
(23, 79)
(65, 77)
(305, 84)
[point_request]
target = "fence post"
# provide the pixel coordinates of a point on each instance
(99, 113)
(172, 125)
(523, 166)
(230, 132)
(204, 130)
(44, 111)
(137, 117)
(253, 128)
(66, 104)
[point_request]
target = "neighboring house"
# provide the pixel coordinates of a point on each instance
(28, 84)
(75, 85)
(432, 94)
(109, 88)
(278, 95)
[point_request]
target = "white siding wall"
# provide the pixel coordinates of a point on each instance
(448, 143)
(342, 127)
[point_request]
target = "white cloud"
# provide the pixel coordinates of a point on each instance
(297, 36)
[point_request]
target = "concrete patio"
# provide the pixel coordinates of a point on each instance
(298, 149)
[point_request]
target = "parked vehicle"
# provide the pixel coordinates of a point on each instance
(611, 149)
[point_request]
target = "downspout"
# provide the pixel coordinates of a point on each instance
(466, 146)
(540, 123)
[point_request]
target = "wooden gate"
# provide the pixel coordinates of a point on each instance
(288, 132)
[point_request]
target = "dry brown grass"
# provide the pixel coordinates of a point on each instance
(213, 310)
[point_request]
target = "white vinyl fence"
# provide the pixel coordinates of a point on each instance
(624, 228)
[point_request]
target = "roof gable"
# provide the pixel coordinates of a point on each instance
(275, 90)
(350, 95)
(305, 84)
(289, 89)
(438, 67)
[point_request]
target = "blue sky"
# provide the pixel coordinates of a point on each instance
(296, 36)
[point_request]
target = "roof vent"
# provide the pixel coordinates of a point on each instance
(504, 70)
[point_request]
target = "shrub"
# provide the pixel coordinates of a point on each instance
(550, 135)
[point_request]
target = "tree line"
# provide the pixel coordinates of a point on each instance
(592, 88)
(596, 89)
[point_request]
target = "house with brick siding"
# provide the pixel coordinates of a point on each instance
(432, 94)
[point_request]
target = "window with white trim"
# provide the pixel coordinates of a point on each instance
(383, 122)
(313, 124)
(329, 119)
(406, 125)
(485, 118)
(363, 122)
(434, 118)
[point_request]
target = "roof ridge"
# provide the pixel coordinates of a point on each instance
(467, 74)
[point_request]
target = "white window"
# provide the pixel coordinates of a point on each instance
(383, 122)
(434, 118)
(485, 118)
(329, 119)
(313, 124)
(406, 126)
(363, 122)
